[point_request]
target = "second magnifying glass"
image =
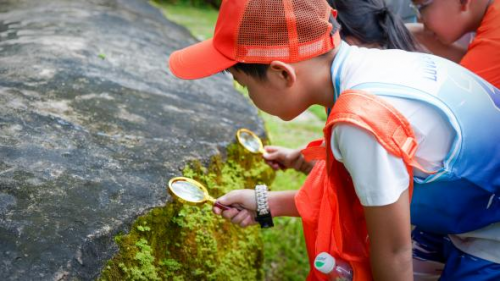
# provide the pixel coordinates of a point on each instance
(250, 141)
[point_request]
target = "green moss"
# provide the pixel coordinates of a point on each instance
(182, 242)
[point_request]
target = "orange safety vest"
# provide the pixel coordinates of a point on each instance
(332, 216)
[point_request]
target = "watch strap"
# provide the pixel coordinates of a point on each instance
(264, 217)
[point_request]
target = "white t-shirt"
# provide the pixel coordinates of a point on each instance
(379, 178)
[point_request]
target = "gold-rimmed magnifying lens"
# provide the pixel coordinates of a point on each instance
(250, 141)
(191, 192)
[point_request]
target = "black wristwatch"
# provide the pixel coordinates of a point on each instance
(264, 217)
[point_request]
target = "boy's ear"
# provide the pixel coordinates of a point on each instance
(282, 72)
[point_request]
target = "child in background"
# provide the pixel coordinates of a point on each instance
(400, 123)
(446, 21)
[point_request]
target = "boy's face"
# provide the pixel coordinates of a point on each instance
(442, 17)
(270, 95)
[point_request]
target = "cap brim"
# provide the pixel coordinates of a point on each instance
(198, 61)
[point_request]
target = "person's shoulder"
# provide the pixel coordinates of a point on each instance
(491, 19)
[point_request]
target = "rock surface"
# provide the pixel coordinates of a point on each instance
(92, 126)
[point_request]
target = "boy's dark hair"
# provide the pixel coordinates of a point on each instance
(371, 22)
(259, 71)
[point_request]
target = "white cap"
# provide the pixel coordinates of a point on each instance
(324, 262)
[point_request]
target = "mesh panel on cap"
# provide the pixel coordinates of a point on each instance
(259, 18)
(309, 28)
(286, 30)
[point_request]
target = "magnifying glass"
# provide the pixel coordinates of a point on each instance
(250, 141)
(192, 192)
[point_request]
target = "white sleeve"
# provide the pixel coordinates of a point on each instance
(379, 177)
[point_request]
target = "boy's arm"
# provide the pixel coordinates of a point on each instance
(454, 52)
(282, 203)
(390, 240)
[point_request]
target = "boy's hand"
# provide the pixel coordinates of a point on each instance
(284, 158)
(245, 200)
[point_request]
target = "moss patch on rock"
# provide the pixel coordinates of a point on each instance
(182, 242)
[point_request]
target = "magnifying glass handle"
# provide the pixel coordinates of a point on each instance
(225, 207)
(221, 206)
(282, 166)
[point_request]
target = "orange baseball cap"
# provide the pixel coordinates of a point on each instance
(259, 31)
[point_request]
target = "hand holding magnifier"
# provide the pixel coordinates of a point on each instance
(251, 142)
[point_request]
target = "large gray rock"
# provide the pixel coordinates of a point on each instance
(92, 126)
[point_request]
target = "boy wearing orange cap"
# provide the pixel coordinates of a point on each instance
(446, 21)
(401, 124)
